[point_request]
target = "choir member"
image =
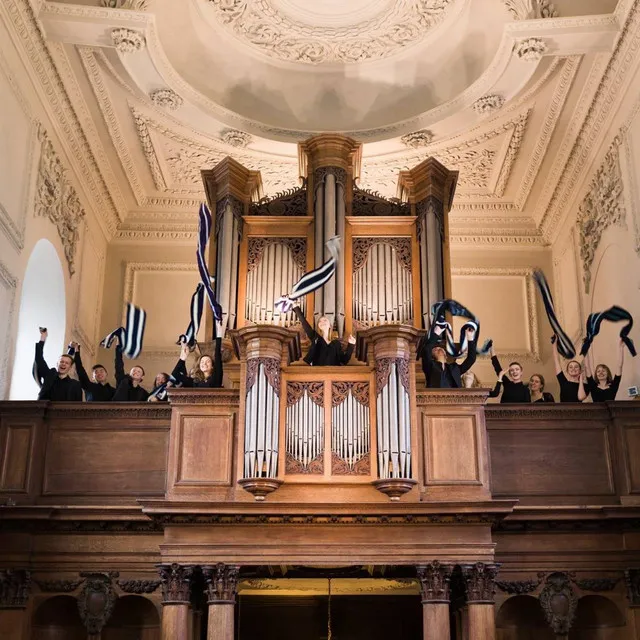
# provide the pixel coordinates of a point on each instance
(514, 389)
(536, 389)
(96, 389)
(438, 373)
(324, 352)
(208, 370)
(56, 383)
(569, 381)
(162, 382)
(603, 386)
(128, 385)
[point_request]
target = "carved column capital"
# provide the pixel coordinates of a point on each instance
(632, 580)
(14, 588)
(480, 582)
(434, 582)
(222, 583)
(175, 581)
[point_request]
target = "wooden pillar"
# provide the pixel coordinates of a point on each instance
(429, 187)
(14, 595)
(222, 586)
(480, 588)
(632, 580)
(175, 581)
(434, 587)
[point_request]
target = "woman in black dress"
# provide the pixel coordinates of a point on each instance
(569, 380)
(514, 388)
(601, 383)
(536, 389)
(324, 352)
(207, 373)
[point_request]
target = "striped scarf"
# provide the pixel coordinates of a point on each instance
(438, 311)
(312, 280)
(197, 306)
(204, 232)
(614, 314)
(564, 344)
(130, 339)
(160, 391)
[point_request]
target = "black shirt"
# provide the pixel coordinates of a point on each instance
(568, 389)
(323, 353)
(93, 391)
(126, 391)
(450, 376)
(54, 387)
(212, 382)
(513, 391)
(546, 397)
(603, 395)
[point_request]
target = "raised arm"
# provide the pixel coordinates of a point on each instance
(621, 347)
(496, 363)
(582, 388)
(180, 370)
(308, 329)
(216, 378)
(556, 356)
(470, 360)
(119, 365)
(41, 364)
(85, 383)
(587, 365)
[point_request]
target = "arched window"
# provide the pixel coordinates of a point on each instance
(42, 304)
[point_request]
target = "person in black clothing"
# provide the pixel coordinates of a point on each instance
(438, 373)
(603, 386)
(514, 389)
(570, 381)
(98, 389)
(536, 389)
(324, 352)
(56, 383)
(162, 382)
(128, 389)
(206, 374)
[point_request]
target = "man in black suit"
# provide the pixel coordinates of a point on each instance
(439, 373)
(97, 389)
(56, 383)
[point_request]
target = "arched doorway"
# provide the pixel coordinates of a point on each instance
(57, 618)
(133, 618)
(598, 618)
(42, 303)
(522, 618)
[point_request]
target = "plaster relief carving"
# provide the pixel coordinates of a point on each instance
(417, 139)
(236, 138)
(531, 9)
(262, 25)
(602, 206)
(57, 200)
(166, 98)
(531, 49)
(488, 104)
(135, 5)
(127, 40)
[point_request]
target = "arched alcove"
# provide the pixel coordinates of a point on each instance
(522, 618)
(57, 618)
(598, 618)
(133, 618)
(42, 303)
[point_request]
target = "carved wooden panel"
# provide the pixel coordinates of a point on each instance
(632, 445)
(204, 448)
(17, 445)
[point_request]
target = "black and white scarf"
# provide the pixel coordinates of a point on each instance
(204, 232)
(130, 339)
(564, 344)
(313, 279)
(196, 308)
(160, 391)
(438, 314)
(614, 314)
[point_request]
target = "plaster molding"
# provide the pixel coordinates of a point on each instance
(501, 238)
(31, 42)
(10, 283)
(166, 99)
(134, 5)
(530, 49)
(236, 138)
(526, 274)
(488, 104)
(530, 9)
(127, 40)
(417, 139)
(133, 268)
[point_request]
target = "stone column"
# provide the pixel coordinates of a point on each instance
(434, 587)
(15, 587)
(329, 162)
(429, 187)
(263, 351)
(480, 586)
(175, 581)
(222, 586)
(390, 349)
(229, 187)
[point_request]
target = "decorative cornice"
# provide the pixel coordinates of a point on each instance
(127, 40)
(166, 99)
(236, 138)
(154, 411)
(488, 104)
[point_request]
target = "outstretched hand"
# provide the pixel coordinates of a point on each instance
(184, 350)
(74, 345)
(44, 334)
(351, 339)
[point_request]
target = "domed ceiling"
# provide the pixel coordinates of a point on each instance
(493, 88)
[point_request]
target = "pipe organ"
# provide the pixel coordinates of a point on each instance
(304, 427)
(350, 428)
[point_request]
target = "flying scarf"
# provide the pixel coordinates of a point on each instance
(614, 314)
(312, 280)
(438, 311)
(564, 344)
(130, 339)
(204, 232)
(197, 306)
(160, 391)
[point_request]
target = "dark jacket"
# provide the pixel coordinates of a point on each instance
(54, 387)
(323, 353)
(433, 371)
(94, 391)
(126, 391)
(214, 381)
(512, 391)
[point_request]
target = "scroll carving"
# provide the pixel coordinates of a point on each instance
(222, 583)
(295, 391)
(138, 586)
(370, 203)
(430, 206)
(296, 246)
(271, 370)
(434, 581)
(288, 203)
(320, 175)
(559, 603)
(361, 246)
(96, 601)
(519, 587)
(340, 391)
(175, 581)
(340, 467)
(237, 210)
(383, 370)
(315, 467)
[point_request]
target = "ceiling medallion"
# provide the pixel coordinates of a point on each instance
(417, 139)
(166, 98)
(488, 104)
(127, 40)
(531, 49)
(236, 138)
(398, 24)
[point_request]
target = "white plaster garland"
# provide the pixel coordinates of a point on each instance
(166, 99)
(531, 49)
(127, 40)
(531, 9)
(488, 104)
(263, 26)
(236, 138)
(134, 5)
(417, 139)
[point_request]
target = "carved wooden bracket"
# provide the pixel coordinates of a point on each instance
(480, 582)
(559, 602)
